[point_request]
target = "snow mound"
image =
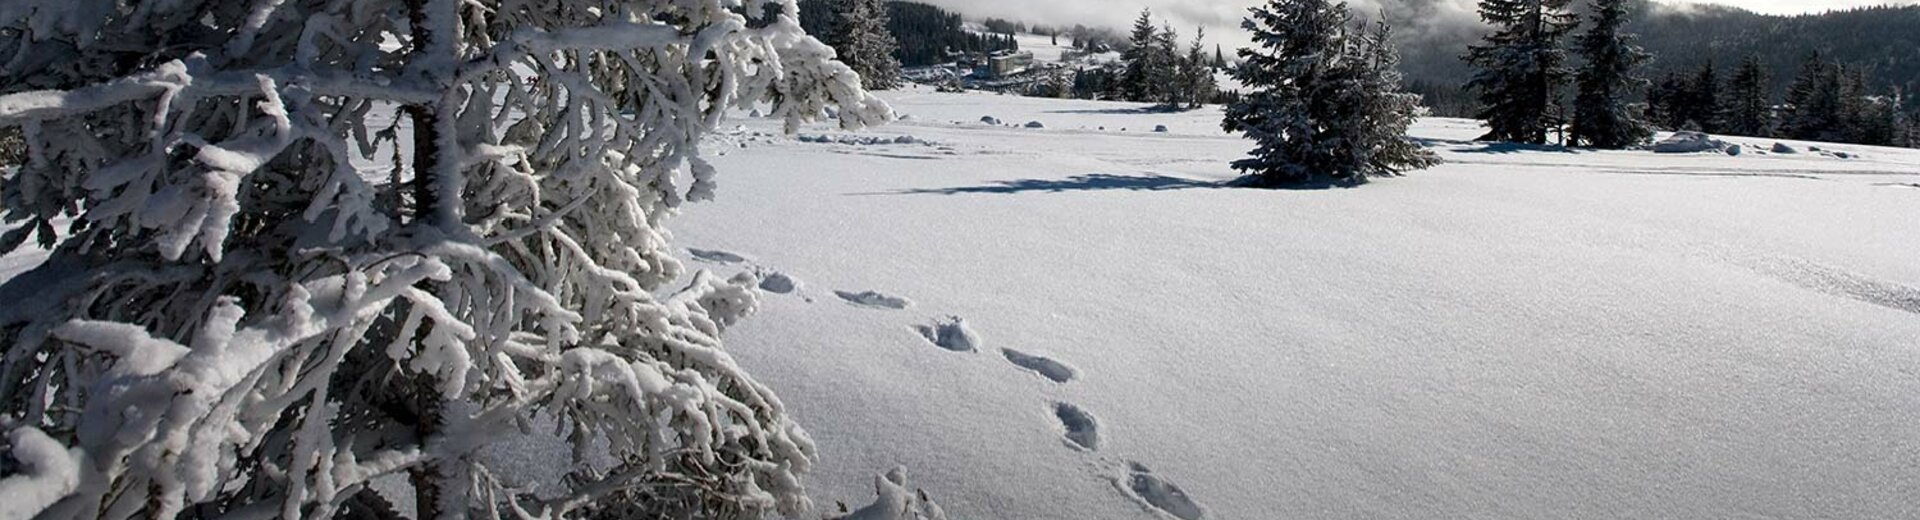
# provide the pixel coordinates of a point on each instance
(951, 334)
(1689, 142)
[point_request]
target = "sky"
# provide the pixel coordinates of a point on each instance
(1221, 18)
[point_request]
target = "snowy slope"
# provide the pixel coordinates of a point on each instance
(1516, 334)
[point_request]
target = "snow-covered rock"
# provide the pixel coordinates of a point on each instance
(990, 120)
(1784, 148)
(1689, 142)
(1036, 124)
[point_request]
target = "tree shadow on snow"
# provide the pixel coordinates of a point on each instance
(1500, 148)
(1089, 182)
(1109, 182)
(1151, 109)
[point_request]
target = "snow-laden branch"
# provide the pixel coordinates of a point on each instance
(306, 245)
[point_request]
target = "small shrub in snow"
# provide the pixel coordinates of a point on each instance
(1784, 148)
(1036, 124)
(1160, 128)
(990, 120)
(237, 322)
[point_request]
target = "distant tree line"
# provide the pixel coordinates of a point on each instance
(925, 34)
(1522, 67)
(1825, 101)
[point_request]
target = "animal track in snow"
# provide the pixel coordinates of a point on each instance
(716, 256)
(1161, 494)
(778, 283)
(1082, 430)
(1045, 366)
(874, 299)
(951, 334)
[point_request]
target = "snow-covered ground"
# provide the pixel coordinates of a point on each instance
(1075, 321)
(1080, 321)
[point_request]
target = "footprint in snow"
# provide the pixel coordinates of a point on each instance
(1161, 494)
(1045, 366)
(951, 334)
(874, 299)
(778, 283)
(1082, 430)
(716, 256)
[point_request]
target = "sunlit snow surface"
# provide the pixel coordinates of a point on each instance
(1080, 321)
(1520, 333)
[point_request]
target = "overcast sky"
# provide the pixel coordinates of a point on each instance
(1222, 17)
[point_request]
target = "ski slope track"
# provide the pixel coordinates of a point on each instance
(1087, 320)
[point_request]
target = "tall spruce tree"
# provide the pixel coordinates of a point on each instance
(1196, 74)
(1522, 67)
(1325, 104)
(863, 42)
(1604, 115)
(1166, 69)
(1813, 102)
(1749, 111)
(1702, 106)
(1137, 81)
(1664, 101)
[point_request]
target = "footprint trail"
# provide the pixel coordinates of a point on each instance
(1161, 494)
(1082, 430)
(1045, 366)
(874, 299)
(951, 334)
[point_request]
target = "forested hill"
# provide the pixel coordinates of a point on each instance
(1884, 41)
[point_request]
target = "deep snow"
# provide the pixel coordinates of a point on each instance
(1523, 332)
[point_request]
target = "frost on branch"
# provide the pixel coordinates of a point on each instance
(305, 244)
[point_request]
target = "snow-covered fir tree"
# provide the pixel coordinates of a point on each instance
(1325, 104)
(1604, 113)
(1748, 109)
(1381, 110)
(1197, 83)
(1141, 59)
(864, 42)
(1702, 108)
(1522, 68)
(302, 245)
(1164, 69)
(1813, 102)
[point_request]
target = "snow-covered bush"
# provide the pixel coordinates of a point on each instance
(306, 244)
